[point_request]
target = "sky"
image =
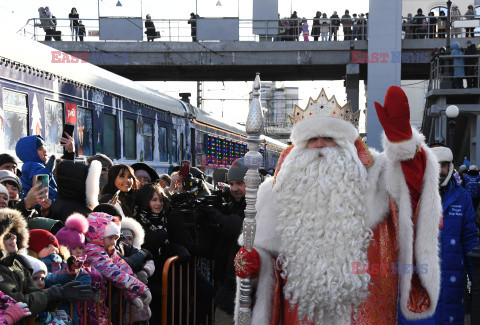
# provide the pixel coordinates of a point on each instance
(223, 99)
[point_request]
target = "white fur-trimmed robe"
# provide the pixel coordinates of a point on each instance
(385, 178)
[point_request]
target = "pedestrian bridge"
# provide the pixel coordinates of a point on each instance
(238, 61)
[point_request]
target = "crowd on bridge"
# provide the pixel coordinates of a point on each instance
(431, 26)
(457, 69)
(71, 228)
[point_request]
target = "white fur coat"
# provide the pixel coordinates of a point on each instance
(385, 178)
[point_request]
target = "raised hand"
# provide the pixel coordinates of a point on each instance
(68, 142)
(394, 115)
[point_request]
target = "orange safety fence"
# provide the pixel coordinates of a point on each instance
(179, 292)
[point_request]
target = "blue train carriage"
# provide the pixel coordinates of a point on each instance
(112, 115)
(218, 143)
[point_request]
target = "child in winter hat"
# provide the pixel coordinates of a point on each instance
(100, 253)
(73, 234)
(73, 237)
(133, 234)
(39, 271)
(45, 245)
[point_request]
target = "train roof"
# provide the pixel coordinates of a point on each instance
(37, 55)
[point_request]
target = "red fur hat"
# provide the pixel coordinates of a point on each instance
(39, 239)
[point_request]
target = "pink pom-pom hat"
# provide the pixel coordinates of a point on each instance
(73, 234)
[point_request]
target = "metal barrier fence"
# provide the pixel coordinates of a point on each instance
(442, 72)
(179, 285)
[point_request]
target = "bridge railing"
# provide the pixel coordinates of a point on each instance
(285, 29)
(450, 72)
(178, 30)
(424, 27)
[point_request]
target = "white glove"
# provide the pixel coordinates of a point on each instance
(137, 304)
(146, 297)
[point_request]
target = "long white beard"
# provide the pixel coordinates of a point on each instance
(322, 213)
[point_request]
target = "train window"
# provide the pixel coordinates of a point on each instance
(163, 144)
(53, 126)
(148, 140)
(110, 135)
(85, 131)
(129, 138)
(15, 106)
(174, 150)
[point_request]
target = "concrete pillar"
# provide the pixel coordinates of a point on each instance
(351, 85)
(384, 66)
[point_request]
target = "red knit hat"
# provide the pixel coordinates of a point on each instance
(39, 239)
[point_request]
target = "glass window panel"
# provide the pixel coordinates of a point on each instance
(148, 140)
(163, 144)
(15, 117)
(13, 98)
(129, 129)
(15, 128)
(53, 126)
(85, 131)
(110, 135)
(174, 150)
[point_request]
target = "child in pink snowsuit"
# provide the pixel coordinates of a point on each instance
(103, 231)
(305, 31)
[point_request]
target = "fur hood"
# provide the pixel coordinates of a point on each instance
(137, 230)
(12, 220)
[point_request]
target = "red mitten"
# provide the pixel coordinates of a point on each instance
(394, 115)
(247, 264)
(15, 313)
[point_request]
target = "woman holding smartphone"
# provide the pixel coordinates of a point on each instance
(120, 188)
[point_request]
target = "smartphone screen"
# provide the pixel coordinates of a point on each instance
(68, 129)
(184, 168)
(42, 179)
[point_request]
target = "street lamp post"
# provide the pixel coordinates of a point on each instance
(449, 6)
(452, 113)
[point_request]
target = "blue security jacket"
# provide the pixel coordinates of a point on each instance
(458, 237)
(26, 150)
